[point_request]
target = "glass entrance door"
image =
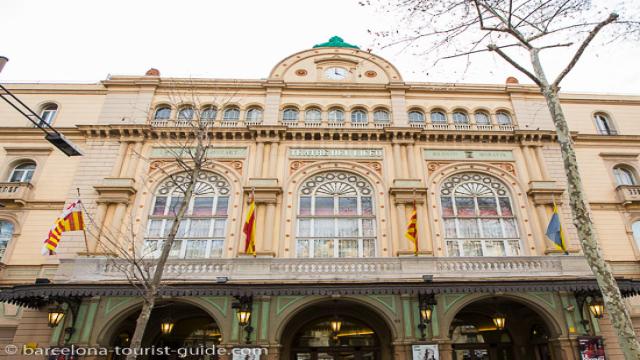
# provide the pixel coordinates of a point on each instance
(482, 352)
(336, 353)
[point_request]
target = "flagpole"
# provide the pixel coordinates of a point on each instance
(84, 231)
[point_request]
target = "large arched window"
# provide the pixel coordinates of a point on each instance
(313, 116)
(416, 117)
(23, 172)
(208, 113)
(635, 227)
(201, 233)
(460, 117)
(162, 113)
(604, 125)
(290, 115)
(48, 113)
(253, 115)
(358, 116)
(438, 117)
(624, 175)
(503, 118)
(478, 216)
(381, 116)
(231, 114)
(336, 115)
(482, 118)
(336, 216)
(6, 233)
(186, 113)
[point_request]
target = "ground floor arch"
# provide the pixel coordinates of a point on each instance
(336, 329)
(501, 328)
(173, 325)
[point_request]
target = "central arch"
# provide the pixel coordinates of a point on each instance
(363, 334)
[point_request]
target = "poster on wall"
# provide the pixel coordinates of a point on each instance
(591, 348)
(426, 352)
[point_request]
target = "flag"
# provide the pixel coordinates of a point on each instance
(249, 228)
(71, 219)
(554, 231)
(412, 229)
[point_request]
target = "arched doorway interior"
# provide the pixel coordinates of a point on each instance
(475, 336)
(336, 330)
(192, 328)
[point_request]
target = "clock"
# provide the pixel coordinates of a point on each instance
(335, 73)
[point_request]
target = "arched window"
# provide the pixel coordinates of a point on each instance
(381, 115)
(482, 118)
(208, 113)
(336, 115)
(312, 115)
(231, 114)
(336, 216)
(603, 124)
(460, 117)
(503, 118)
(48, 112)
(478, 216)
(162, 113)
(358, 116)
(635, 227)
(6, 233)
(416, 117)
(438, 117)
(23, 172)
(290, 115)
(624, 176)
(254, 115)
(201, 233)
(186, 113)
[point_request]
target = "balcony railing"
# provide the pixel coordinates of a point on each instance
(628, 194)
(15, 191)
(208, 123)
(464, 127)
(83, 269)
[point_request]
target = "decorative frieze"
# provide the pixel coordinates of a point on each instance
(336, 153)
(502, 155)
(212, 152)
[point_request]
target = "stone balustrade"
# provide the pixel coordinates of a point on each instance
(628, 194)
(17, 192)
(245, 269)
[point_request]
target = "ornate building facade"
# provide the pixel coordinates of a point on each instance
(337, 148)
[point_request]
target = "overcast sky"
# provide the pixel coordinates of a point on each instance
(84, 41)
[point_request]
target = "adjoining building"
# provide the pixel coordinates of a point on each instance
(338, 149)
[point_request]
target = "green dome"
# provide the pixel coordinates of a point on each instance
(336, 41)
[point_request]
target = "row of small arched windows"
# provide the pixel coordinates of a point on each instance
(335, 115)
(208, 113)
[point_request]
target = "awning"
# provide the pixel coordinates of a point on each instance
(38, 295)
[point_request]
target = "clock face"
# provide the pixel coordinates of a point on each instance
(335, 73)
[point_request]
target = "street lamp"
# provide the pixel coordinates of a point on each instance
(56, 314)
(166, 326)
(51, 134)
(426, 302)
(243, 311)
(336, 324)
(596, 307)
(499, 320)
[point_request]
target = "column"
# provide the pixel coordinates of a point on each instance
(530, 162)
(541, 163)
(397, 169)
(117, 166)
(259, 158)
(411, 160)
(134, 157)
(269, 228)
(403, 157)
(272, 104)
(273, 160)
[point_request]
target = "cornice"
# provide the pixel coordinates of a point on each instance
(584, 139)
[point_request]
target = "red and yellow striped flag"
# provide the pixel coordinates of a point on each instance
(70, 220)
(412, 229)
(249, 228)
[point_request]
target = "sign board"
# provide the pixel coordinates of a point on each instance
(335, 153)
(214, 152)
(425, 352)
(500, 155)
(591, 348)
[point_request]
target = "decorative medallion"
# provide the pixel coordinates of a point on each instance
(301, 72)
(370, 74)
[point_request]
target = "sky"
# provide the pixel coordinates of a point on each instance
(86, 40)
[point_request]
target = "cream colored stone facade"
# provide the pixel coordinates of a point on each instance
(113, 123)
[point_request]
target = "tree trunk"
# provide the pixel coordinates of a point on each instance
(614, 303)
(153, 286)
